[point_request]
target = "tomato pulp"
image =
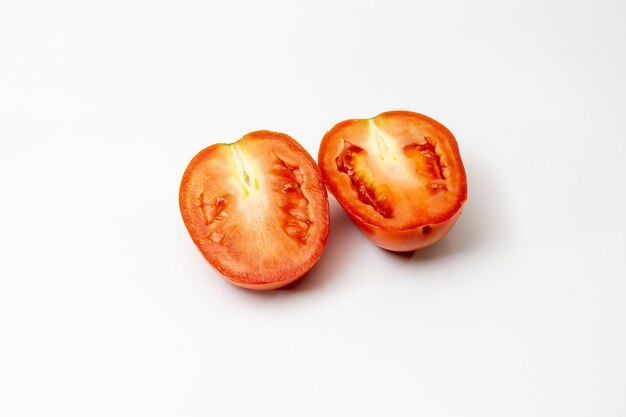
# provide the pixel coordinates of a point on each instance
(257, 209)
(398, 175)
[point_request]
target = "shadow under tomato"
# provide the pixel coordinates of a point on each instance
(483, 214)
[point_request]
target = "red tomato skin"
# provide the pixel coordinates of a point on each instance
(419, 235)
(409, 239)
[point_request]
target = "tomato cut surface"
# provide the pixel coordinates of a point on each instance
(398, 175)
(257, 209)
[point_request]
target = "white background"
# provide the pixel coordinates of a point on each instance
(107, 308)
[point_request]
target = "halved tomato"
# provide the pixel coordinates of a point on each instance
(398, 175)
(257, 209)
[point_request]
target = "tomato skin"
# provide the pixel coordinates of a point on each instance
(244, 225)
(409, 239)
(395, 224)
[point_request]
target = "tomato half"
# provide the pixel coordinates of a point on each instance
(257, 209)
(398, 175)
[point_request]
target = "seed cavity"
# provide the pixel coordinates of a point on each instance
(294, 205)
(214, 213)
(428, 162)
(299, 214)
(290, 187)
(351, 161)
(297, 230)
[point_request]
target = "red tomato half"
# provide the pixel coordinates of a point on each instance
(399, 176)
(257, 209)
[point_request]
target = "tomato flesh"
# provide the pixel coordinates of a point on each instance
(399, 176)
(257, 209)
